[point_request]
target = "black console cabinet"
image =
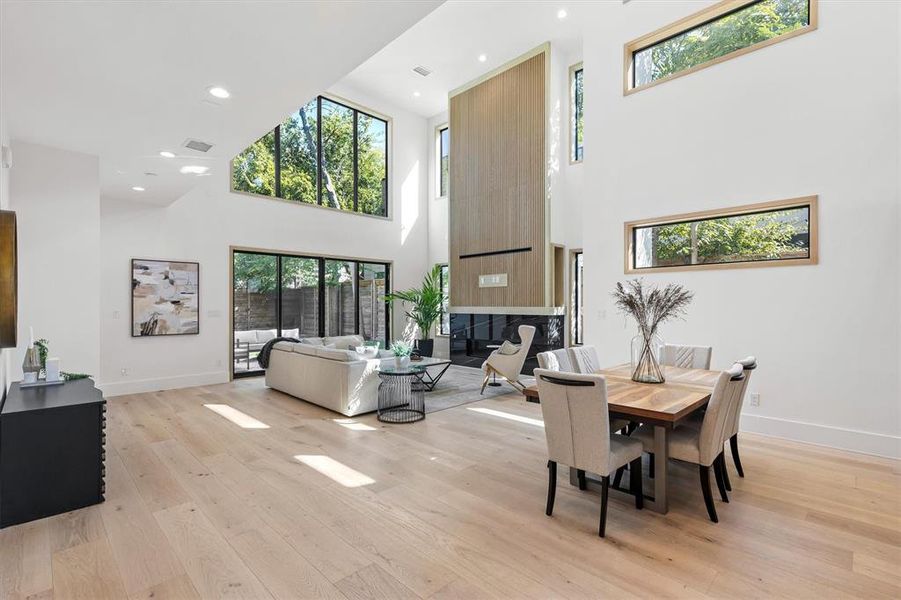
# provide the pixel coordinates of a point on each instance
(51, 450)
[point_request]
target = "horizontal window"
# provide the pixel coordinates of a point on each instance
(723, 31)
(326, 153)
(773, 233)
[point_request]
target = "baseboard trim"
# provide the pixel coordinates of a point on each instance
(878, 444)
(140, 386)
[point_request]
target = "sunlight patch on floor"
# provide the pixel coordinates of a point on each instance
(353, 425)
(234, 415)
(506, 415)
(334, 470)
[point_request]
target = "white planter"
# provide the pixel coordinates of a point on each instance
(401, 362)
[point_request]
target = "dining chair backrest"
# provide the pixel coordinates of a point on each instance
(717, 417)
(576, 424)
(555, 360)
(584, 359)
(748, 365)
(686, 357)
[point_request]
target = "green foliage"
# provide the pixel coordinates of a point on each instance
(746, 27)
(73, 376)
(254, 169)
(426, 301)
(400, 348)
(43, 347)
(761, 236)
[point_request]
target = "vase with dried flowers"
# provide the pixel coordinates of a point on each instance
(649, 306)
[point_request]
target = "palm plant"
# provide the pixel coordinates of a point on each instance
(425, 301)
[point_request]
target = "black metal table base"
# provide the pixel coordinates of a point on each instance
(401, 397)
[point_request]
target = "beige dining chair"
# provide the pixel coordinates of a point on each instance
(576, 426)
(685, 357)
(509, 366)
(704, 446)
(555, 360)
(747, 364)
(584, 359)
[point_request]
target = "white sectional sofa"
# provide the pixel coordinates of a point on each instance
(325, 372)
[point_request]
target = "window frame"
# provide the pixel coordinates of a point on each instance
(321, 259)
(356, 109)
(438, 130)
(577, 333)
(809, 202)
(711, 13)
(442, 315)
(574, 159)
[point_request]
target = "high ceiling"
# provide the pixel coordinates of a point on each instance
(125, 80)
(449, 41)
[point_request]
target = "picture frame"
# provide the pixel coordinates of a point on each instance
(165, 297)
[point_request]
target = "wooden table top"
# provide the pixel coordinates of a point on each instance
(685, 391)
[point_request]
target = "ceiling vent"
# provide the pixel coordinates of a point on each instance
(198, 145)
(420, 70)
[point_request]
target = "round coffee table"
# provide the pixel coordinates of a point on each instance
(401, 394)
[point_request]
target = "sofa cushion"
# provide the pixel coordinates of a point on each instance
(336, 354)
(345, 342)
(264, 335)
(308, 349)
(286, 346)
(291, 333)
(315, 341)
(246, 337)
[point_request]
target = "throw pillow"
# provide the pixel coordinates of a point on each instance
(508, 348)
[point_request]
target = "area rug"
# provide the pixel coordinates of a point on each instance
(460, 385)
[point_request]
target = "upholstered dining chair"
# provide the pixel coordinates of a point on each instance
(686, 357)
(576, 425)
(747, 364)
(704, 446)
(510, 365)
(555, 360)
(584, 359)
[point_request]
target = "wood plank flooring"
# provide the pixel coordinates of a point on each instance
(316, 506)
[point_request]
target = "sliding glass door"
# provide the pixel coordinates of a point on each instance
(300, 296)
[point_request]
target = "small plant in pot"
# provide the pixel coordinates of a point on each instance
(425, 308)
(401, 352)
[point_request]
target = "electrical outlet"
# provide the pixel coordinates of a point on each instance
(755, 399)
(125, 372)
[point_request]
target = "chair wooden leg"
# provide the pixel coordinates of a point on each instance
(651, 466)
(619, 476)
(605, 484)
(485, 382)
(551, 486)
(635, 483)
(718, 464)
(583, 483)
(733, 443)
(725, 471)
(708, 497)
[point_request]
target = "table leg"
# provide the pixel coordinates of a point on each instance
(661, 462)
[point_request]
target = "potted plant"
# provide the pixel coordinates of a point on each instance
(425, 309)
(650, 307)
(401, 351)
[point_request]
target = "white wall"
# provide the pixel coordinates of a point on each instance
(5, 353)
(817, 114)
(56, 196)
(439, 230)
(202, 226)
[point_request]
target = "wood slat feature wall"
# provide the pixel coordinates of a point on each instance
(497, 191)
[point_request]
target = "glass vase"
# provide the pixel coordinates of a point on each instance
(646, 359)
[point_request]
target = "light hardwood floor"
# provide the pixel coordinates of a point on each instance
(451, 507)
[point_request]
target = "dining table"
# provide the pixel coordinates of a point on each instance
(661, 405)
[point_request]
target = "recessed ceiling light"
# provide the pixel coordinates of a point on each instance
(193, 170)
(138, 188)
(561, 14)
(167, 154)
(416, 94)
(482, 58)
(219, 92)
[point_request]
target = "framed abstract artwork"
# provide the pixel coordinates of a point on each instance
(165, 297)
